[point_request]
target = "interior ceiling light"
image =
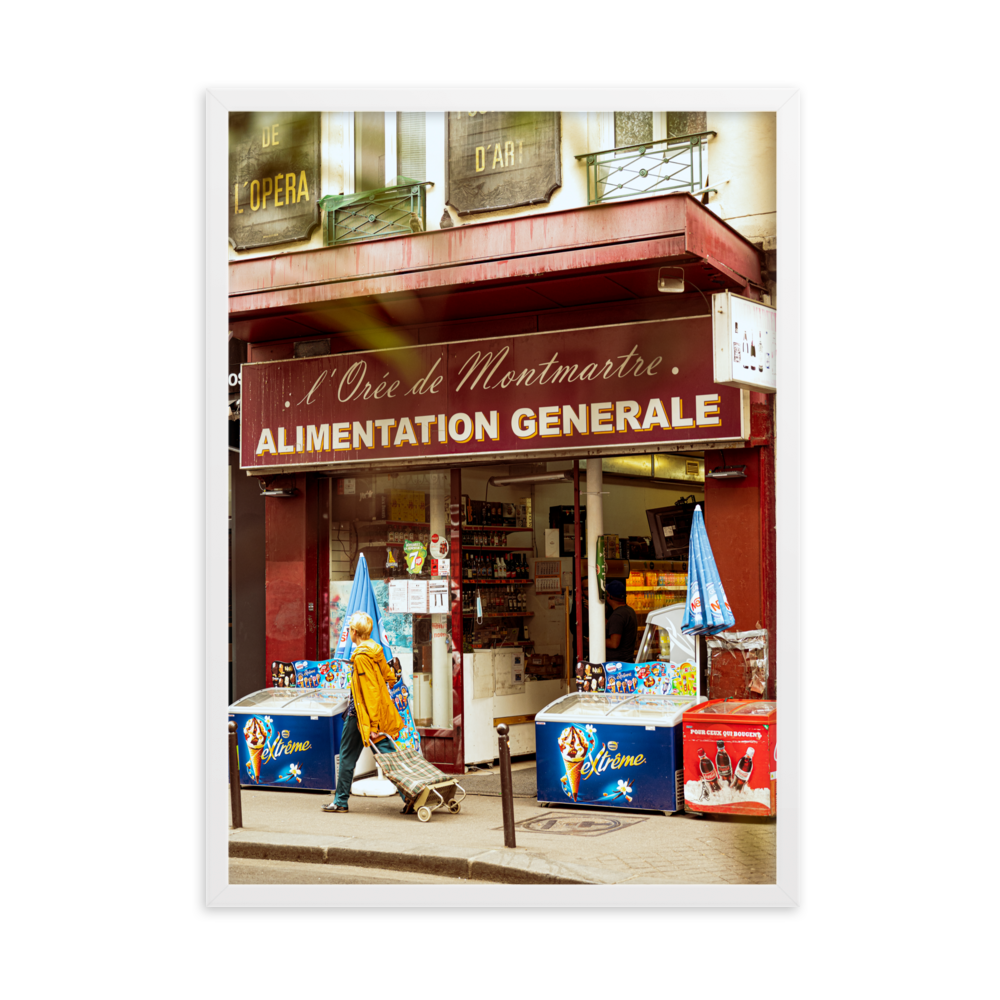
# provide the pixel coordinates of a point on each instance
(542, 477)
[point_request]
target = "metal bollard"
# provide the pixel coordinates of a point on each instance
(506, 787)
(234, 778)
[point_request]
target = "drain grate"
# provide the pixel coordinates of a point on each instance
(578, 825)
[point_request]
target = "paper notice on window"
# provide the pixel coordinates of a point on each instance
(416, 598)
(397, 597)
(438, 594)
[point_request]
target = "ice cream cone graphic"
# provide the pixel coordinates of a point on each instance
(256, 736)
(573, 747)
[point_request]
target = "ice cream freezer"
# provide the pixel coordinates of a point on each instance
(289, 737)
(730, 757)
(614, 750)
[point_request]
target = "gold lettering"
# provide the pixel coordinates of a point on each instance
(508, 153)
(520, 152)
(267, 188)
(266, 140)
(254, 195)
(497, 157)
(274, 135)
(480, 159)
(303, 187)
(278, 203)
(289, 188)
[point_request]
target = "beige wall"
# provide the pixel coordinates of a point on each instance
(741, 160)
(742, 163)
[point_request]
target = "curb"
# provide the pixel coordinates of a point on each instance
(508, 866)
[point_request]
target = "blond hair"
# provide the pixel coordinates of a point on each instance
(361, 623)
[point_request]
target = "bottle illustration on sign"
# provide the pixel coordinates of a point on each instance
(723, 764)
(736, 343)
(743, 769)
(708, 772)
(746, 351)
(753, 354)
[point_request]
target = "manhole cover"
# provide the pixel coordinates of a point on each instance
(588, 825)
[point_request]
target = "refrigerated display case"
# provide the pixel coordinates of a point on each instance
(611, 750)
(729, 757)
(289, 737)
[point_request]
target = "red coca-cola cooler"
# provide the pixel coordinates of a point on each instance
(729, 757)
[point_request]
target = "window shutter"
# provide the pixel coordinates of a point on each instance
(411, 144)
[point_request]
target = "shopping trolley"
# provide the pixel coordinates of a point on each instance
(426, 788)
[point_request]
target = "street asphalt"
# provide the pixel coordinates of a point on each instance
(559, 844)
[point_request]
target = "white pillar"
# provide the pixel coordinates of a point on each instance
(441, 669)
(595, 527)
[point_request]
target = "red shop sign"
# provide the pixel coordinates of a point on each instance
(618, 387)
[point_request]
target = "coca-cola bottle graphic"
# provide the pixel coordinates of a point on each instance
(708, 773)
(723, 764)
(743, 769)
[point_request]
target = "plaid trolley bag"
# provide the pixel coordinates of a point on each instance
(426, 788)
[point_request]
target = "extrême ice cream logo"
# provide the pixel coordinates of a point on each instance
(576, 746)
(265, 744)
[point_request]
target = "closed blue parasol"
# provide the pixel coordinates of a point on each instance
(707, 611)
(362, 599)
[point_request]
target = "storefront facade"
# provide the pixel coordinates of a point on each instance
(388, 382)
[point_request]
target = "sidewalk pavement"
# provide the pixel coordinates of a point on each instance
(563, 845)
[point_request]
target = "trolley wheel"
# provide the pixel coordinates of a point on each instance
(455, 807)
(423, 814)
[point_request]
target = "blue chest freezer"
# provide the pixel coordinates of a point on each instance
(289, 737)
(612, 750)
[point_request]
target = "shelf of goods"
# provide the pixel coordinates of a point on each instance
(498, 528)
(505, 614)
(495, 548)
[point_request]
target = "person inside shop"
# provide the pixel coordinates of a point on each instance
(585, 600)
(371, 715)
(622, 626)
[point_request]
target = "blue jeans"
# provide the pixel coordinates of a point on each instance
(351, 746)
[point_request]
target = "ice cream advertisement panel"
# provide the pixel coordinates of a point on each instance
(287, 751)
(624, 767)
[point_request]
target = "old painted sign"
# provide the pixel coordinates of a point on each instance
(273, 177)
(501, 159)
(627, 386)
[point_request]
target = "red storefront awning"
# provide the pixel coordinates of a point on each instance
(577, 257)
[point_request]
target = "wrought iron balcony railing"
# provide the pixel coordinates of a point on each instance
(368, 215)
(659, 167)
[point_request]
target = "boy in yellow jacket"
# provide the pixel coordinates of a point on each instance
(371, 714)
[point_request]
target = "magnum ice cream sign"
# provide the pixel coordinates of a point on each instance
(641, 384)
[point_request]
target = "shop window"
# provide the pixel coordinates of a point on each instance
(398, 522)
